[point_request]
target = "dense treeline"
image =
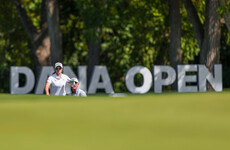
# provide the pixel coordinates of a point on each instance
(118, 34)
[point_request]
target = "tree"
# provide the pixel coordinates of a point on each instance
(93, 29)
(54, 31)
(207, 34)
(210, 52)
(13, 44)
(175, 35)
(43, 37)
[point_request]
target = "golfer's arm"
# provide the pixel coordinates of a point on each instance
(47, 88)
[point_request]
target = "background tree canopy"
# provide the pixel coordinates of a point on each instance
(119, 34)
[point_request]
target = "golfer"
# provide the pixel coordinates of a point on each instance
(76, 91)
(57, 81)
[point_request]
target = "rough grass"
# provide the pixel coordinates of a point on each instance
(168, 121)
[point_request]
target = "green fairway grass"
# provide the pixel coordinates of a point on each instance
(168, 121)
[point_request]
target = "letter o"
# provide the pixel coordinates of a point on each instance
(147, 80)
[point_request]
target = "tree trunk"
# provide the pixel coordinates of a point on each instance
(47, 37)
(210, 52)
(54, 31)
(39, 38)
(208, 37)
(41, 51)
(210, 44)
(175, 35)
(196, 23)
(94, 48)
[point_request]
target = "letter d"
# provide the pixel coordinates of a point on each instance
(14, 80)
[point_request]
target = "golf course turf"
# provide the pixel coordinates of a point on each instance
(167, 121)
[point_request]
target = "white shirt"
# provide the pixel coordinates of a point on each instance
(79, 92)
(58, 84)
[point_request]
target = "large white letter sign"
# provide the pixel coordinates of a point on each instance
(158, 79)
(14, 80)
(147, 79)
(100, 72)
(183, 78)
(215, 82)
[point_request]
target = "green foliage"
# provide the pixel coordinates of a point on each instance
(200, 8)
(33, 11)
(13, 44)
(74, 46)
(133, 36)
(133, 32)
(189, 46)
(128, 38)
(224, 8)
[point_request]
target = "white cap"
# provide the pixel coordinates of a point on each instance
(74, 79)
(58, 64)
